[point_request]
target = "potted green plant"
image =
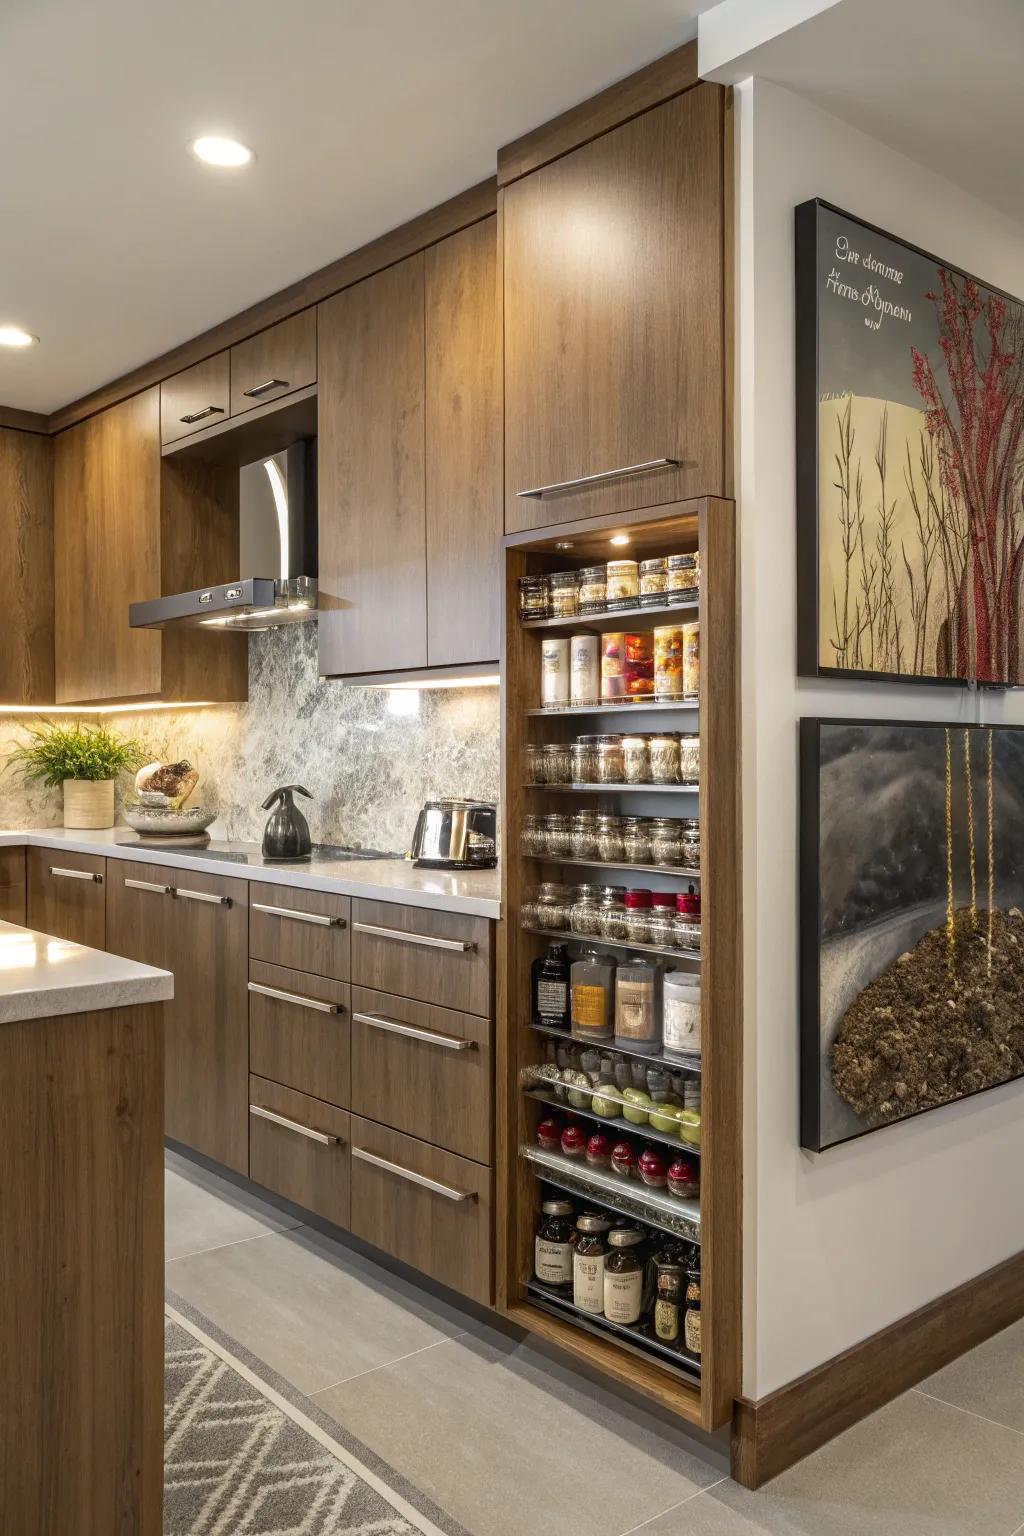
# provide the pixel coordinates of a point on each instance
(84, 761)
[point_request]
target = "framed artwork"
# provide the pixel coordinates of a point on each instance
(911, 920)
(910, 461)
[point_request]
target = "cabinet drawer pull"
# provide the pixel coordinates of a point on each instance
(584, 483)
(412, 938)
(207, 410)
(414, 1178)
(264, 388)
(431, 1036)
(216, 901)
(321, 919)
(296, 997)
(149, 885)
(76, 874)
(294, 1125)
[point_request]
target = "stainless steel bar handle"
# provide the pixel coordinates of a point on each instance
(296, 997)
(585, 482)
(421, 1179)
(293, 1125)
(207, 410)
(265, 388)
(76, 874)
(431, 1036)
(149, 885)
(215, 901)
(412, 938)
(321, 919)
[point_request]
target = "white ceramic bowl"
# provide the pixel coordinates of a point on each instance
(154, 822)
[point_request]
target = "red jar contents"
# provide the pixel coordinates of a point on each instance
(638, 669)
(574, 1141)
(684, 1178)
(623, 1159)
(549, 1134)
(599, 1150)
(651, 1166)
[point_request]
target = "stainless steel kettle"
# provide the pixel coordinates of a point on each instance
(286, 834)
(456, 834)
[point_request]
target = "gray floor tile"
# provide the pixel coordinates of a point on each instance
(312, 1313)
(509, 1449)
(203, 1211)
(915, 1468)
(988, 1380)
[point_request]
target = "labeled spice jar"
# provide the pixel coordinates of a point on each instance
(555, 1244)
(610, 761)
(623, 584)
(636, 840)
(613, 918)
(585, 917)
(562, 586)
(583, 755)
(557, 835)
(610, 845)
(668, 662)
(636, 760)
(557, 762)
(639, 666)
(653, 582)
(638, 907)
(588, 1263)
(664, 750)
(666, 841)
(636, 1005)
(624, 1276)
(691, 659)
(613, 667)
(532, 837)
(584, 670)
(533, 597)
(686, 924)
(689, 844)
(592, 990)
(535, 763)
(668, 1298)
(691, 1321)
(583, 835)
(660, 919)
(554, 672)
(592, 589)
(554, 903)
(680, 1013)
(689, 759)
(683, 578)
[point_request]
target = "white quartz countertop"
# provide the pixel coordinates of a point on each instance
(475, 891)
(43, 977)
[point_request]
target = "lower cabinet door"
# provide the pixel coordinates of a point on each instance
(299, 1031)
(67, 895)
(428, 1208)
(299, 1148)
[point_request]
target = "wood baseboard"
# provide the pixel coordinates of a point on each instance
(772, 1433)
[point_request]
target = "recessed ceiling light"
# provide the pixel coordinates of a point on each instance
(14, 336)
(619, 539)
(217, 151)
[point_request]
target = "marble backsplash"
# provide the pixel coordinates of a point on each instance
(370, 757)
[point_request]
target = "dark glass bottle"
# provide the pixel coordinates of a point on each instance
(549, 988)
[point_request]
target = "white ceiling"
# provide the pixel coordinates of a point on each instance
(115, 244)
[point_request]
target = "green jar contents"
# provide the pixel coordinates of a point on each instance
(592, 990)
(588, 1263)
(624, 1276)
(555, 1245)
(637, 1020)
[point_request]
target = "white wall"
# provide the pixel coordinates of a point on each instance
(836, 1245)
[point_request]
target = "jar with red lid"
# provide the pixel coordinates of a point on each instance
(638, 912)
(686, 923)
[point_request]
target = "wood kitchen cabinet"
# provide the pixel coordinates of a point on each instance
(196, 927)
(26, 567)
(614, 318)
(12, 885)
(66, 895)
(195, 398)
(274, 363)
(127, 527)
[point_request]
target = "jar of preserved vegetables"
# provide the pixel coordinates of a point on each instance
(636, 760)
(636, 840)
(639, 666)
(610, 839)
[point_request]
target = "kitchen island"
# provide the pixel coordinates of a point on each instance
(81, 1210)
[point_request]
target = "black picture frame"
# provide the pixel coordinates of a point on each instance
(806, 233)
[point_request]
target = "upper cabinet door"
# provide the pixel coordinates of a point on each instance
(26, 567)
(463, 440)
(106, 540)
(614, 321)
(194, 399)
(373, 590)
(275, 363)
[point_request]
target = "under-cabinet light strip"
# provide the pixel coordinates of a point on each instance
(101, 709)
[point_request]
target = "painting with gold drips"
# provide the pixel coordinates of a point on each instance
(911, 920)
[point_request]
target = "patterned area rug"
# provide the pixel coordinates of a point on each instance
(240, 1461)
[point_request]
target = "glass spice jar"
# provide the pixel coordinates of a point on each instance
(562, 586)
(623, 584)
(558, 835)
(613, 918)
(661, 918)
(528, 908)
(668, 662)
(653, 582)
(610, 763)
(557, 763)
(636, 760)
(637, 1024)
(686, 924)
(583, 835)
(592, 990)
(666, 841)
(591, 589)
(689, 759)
(533, 597)
(554, 904)
(683, 578)
(639, 667)
(585, 916)
(532, 839)
(610, 839)
(689, 846)
(636, 840)
(584, 757)
(535, 763)
(664, 750)
(638, 912)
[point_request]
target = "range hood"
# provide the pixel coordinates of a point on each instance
(277, 554)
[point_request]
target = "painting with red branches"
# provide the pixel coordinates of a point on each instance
(910, 460)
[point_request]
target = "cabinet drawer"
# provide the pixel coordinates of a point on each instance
(439, 957)
(303, 930)
(424, 1070)
(428, 1208)
(299, 1030)
(194, 399)
(299, 1148)
(12, 885)
(274, 363)
(67, 895)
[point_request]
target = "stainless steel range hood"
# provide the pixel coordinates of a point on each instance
(277, 554)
